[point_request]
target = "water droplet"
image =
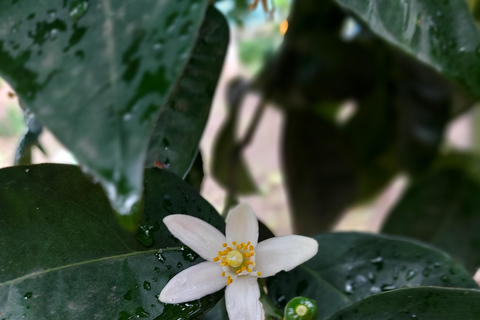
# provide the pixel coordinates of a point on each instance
(181, 279)
(53, 34)
(426, 272)
(166, 144)
(375, 289)
(147, 286)
(26, 170)
(179, 265)
(127, 116)
(371, 277)
(124, 315)
(141, 313)
(388, 287)
(166, 201)
(128, 295)
(157, 269)
(445, 279)
(52, 14)
(78, 9)
(160, 256)
(411, 274)
(154, 279)
(145, 234)
(378, 262)
(349, 287)
(28, 295)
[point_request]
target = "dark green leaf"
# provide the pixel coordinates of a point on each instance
(320, 172)
(183, 118)
(416, 303)
(352, 266)
(64, 256)
(442, 34)
(195, 175)
(97, 74)
(443, 208)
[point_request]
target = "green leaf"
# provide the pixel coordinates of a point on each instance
(182, 119)
(442, 34)
(229, 167)
(97, 74)
(443, 208)
(64, 256)
(416, 303)
(320, 172)
(352, 266)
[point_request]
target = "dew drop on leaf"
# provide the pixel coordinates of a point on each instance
(78, 9)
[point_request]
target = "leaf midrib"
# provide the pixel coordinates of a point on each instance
(73, 265)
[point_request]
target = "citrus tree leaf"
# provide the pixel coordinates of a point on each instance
(64, 256)
(96, 75)
(182, 119)
(442, 207)
(416, 303)
(353, 266)
(442, 34)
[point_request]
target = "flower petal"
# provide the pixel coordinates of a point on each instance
(242, 225)
(197, 234)
(283, 253)
(241, 299)
(193, 283)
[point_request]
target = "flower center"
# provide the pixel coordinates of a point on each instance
(236, 260)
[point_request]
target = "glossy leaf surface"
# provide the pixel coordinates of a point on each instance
(442, 34)
(97, 73)
(443, 208)
(64, 256)
(416, 303)
(353, 266)
(182, 119)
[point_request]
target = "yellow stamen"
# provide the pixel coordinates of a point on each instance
(234, 243)
(249, 270)
(224, 245)
(216, 259)
(229, 249)
(259, 273)
(245, 247)
(239, 246)
(229, 280)
(251, 248)
(239, 271)
(223, 274)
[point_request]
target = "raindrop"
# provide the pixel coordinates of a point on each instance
(411, 274)
(378, 262)
(388, 287)
(160, 256)
(375, 289)
(157, 269)
(445, 279)
(28, 295)
(349, 287)
(371, 277)
(147, 286)
(181, 279)
(127, 116)
(78, 9)
(141, 313)
(166, 144)
(426, 272)
(26, 170)
(52, 14)
(128, 295)
(154, 279)
(53, 34)
(179, 265)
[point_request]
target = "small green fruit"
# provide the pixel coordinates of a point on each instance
(301, 308)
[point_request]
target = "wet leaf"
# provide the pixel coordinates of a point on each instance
(442, 34)
(353, 266)
(442, 208)
(97, 74)
(182, 119)
(64, 256)
(416, 303)
(196, 173)
(23, 155)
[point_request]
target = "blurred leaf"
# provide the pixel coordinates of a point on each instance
(353, 266)
(183, 118)
(195, 175)
(97, 76)
(442, 34)
(23, 155)
(416, 303)
(219, 312)
(320, 172)
(442, 207)
(229, 167)
(78, 263)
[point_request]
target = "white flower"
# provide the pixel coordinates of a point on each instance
(234, 260)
